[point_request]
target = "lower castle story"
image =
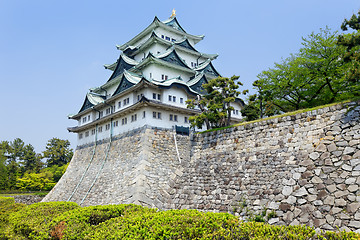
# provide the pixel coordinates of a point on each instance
(305, 168)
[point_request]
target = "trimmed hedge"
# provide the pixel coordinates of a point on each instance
(80, 222)
(31, 221)
(7, 207)
(66, 220)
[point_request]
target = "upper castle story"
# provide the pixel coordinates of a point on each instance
(157, 71)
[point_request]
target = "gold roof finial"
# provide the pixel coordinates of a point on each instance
(173, 14)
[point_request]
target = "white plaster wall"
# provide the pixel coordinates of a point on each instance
(178, 93)
(236, 107)
(160, 31)
(164, 122)
(154, 49)
(157, 70)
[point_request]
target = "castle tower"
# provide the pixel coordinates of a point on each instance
(156, 72)
(128, 150)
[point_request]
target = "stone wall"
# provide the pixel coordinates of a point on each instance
(305, 167)
(138, 169)
(26, 199)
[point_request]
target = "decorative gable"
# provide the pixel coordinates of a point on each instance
(197, 87)
(123, 85)
(174, 58)
(120, 67)
(186, 44)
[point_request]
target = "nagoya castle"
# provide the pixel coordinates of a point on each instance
(137, 122)
(157, 71)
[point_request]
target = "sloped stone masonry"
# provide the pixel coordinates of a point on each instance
(305, 168)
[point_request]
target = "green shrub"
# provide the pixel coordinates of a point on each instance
(80, 222)
(171, 224)
(7, 207)
(32, 221)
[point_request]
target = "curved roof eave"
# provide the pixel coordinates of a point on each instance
(152, 59)
(157, 23)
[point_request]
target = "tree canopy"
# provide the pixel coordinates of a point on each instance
(21, 168)
(313, 76)
(58, 152)
(351, 42)
(215, 105)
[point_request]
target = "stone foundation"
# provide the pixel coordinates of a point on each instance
(305, 168)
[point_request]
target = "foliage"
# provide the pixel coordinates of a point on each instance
(58, 152)
(35, 182)
(7, 207)
(311, 77)
(21, 168)
(352, 44)
(171, 224)
(215, 105)
(66, 220)
(78, 223)
(31, 221)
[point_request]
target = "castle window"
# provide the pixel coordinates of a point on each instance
(80, 135)
(175, 118)
(84, 119)
(88, 117)
(86, 133)
(167, 38)
(150, 75)
(159, 97)
(157, 115)
(237, 112)
(93, 132)
(124, 121)
(101, 114)
(119, 104)
(107, 126)
(108, 111)
(144, 114)
(173, 40)
(181, 100)
(174, 99)
(170, 97)
(162, 36)
(164, 77)
(116, 123)
(171, 117)
(186, 119)
(154, 95)
(100, 129)
(140, 96)
(133, 118)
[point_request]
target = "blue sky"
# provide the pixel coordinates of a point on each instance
(52, 52)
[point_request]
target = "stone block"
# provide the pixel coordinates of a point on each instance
(352, 207)
(354, 224)
(300, 192)
(340, 202)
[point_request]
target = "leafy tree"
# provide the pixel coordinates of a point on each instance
(35, 182)
(314, 76)
(16, 150)
(31, 160)
(251, 111)
(352, 44)
(58, 152)
(3, 171)
(215, 105)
